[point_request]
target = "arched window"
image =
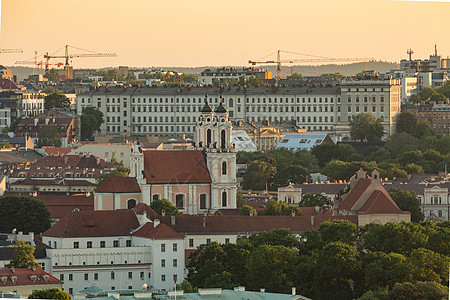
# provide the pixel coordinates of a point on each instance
(208, 137)
(156, 197)
(131, 203)
(224, 168)
(224, 199)
(223, 135)
(179, 201)
(203, 202)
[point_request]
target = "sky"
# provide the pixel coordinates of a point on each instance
(187, 33)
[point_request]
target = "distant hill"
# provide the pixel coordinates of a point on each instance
(347, 69)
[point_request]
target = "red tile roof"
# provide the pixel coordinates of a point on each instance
(162, 231)
(117, 184)
(175, 166)
(245, 224)
(24, 277)
(60, 206)
(355, 193)
(380, 203)
(140, 208)
(95, 223)
(7, 84)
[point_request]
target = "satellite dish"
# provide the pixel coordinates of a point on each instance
(144, 287)
(14, 231)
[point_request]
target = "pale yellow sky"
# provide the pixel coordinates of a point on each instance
(213, 32)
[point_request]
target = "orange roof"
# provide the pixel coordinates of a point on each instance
(117, 184)
(176, 166)
(355, 193)
(95, 223)
(24, 277)
(380, 203)
(162, 231)
(140, 208)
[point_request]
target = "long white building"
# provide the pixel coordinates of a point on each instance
(174, 111)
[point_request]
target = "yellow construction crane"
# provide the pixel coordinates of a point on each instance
(314, 59)
(68, 56)
(11, 51)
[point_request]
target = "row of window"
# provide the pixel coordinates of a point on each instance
(102, 244)
(95, 276)
(208, 241)
(174, 263)
(374, 108)
(365, 98)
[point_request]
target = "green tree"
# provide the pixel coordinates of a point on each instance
(418, 291)
(309, 200)
(240, 201)
(91, 120)
(23, 213)
(427, 265)
(163, 204)
(294, 76)
(339, 170)
(275, 237)
(386, 269)
(54, 293)
(277, 208)
(246, 210)
(23, 256)
(439, 242)
(406, 122)
(293, 173)
(327, 152)
(271, 267)
(338, 231)
(49, 136)
(220, 280)
(258, 174)
(56, 100)
(120, 171)
(408, 201)
(53, 75)
(187, 287)
(365, 127)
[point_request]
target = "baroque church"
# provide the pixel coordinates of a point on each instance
(197, 181)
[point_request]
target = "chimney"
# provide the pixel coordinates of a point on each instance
(293, 213)
(155, 222)
(312, 220)
(317, 208)
(36, 121)
(204, 221)
(262, 290)
(251, 213)
(163, 213)
(46, 121)
(33, 268)
(172, 220)
(294, 291)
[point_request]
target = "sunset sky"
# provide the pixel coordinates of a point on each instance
(214, 32)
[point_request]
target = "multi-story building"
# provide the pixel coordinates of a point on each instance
(31, 126)
(437, 114)
(381, 98)
(223, 75)
(16, 104)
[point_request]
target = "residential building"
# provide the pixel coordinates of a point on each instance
(114, 250)
(31, 126)
(293, 193)
(303, 141)
(23, 281)
(381, 98)
(225, 74)
(49, 186)
(438, 115)
(434, 63)
(409, 87)
(174, 111)
(19, 103)
(63, 168)
(107, 151)
(242, 141)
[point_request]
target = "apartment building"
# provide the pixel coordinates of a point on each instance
(381, 98)
(437, 114)
(223, 75)
(174, 111)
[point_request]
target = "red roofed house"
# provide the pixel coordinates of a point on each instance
(117, 193)
(195, 181)
(31, 126)
(369, 201)
(114, 249)
(23, 281)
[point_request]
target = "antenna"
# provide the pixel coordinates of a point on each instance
(435, 50)
(410, 53)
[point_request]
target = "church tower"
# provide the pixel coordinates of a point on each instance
(214, 137)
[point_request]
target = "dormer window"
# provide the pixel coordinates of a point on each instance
(13, 279)
(4, 279)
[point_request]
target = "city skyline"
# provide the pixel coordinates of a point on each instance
(202, 33)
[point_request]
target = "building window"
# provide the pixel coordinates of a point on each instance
(156, 197)
(175, 247)
(130, 275)
(95, 276)
(179, 199)
(115, 243)
(227, 240)
(163, 263)
(70, 277)
(131, 203)
(142, 275)
(175, 262)
(89, 244)
(191, 243)
(61, 277)
(102, 244)
(86, 276)
(224, 168)
(163, 247)
(113, 276)
(208, 241)
(224, 199)
(76, 245)
(128, 243)
(203, 201)
(163, 277)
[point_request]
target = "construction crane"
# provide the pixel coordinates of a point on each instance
(410, 53)
(315, 59)
(36, 63)
(68, 57)
(11, 51)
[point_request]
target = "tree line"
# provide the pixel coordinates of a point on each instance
(338, 261)
(413, 149)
